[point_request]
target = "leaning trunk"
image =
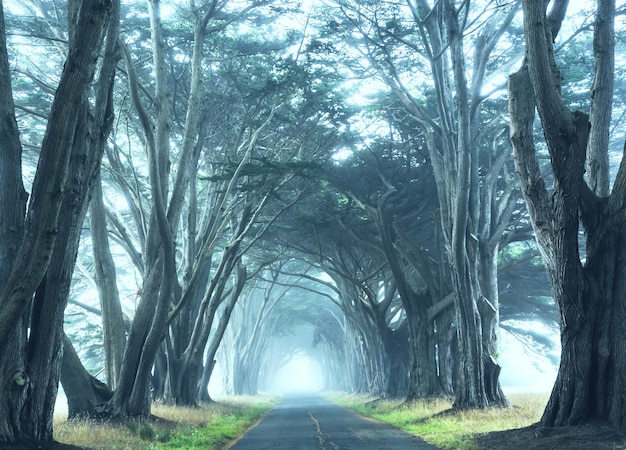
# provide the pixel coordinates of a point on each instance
(132, 395)
(85, 393)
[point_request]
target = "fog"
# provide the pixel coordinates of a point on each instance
(524, 370)
(301, 375)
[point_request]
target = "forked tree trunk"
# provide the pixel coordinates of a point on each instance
(590, 384)
(132, 394)
(423, 377)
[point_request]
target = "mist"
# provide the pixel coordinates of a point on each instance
(300, 375)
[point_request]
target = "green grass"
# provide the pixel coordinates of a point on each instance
(433, 420)
(208, 427)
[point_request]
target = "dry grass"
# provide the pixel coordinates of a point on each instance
(435, 422)
(210, 426)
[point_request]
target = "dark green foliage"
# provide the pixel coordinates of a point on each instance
(266, 168)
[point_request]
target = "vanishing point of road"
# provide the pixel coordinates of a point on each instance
(309, 423)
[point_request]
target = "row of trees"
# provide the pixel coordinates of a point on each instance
(204, 148)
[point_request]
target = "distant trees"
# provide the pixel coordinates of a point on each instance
(587, 283)
(271, 325)
(392, 184)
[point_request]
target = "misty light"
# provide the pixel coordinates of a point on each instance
(301, 375)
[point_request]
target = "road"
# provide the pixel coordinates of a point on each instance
(314, 423)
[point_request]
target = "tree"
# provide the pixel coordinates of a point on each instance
(448, 102)
(392, 182)
(34, 292)
(588, 288)
(329, 232)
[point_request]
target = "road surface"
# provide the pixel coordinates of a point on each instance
(314, 423)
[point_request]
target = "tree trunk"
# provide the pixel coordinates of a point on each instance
(489, 309)
(422, 362)
(13, 197)
(203, 387)
(113, 328)
(470, 390)
(132, 395)
(423, 369)
(85, 394)
(66, 168)
(397, 354)
(209, 358)
(590, 383)
(447, 351)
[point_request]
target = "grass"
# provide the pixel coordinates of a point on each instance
(208, 427)
(433, 420)
(213, 426)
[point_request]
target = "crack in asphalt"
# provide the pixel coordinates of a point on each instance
(320, 436)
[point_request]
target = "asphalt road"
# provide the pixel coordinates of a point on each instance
(314, 423)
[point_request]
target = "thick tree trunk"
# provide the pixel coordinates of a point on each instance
(71, 150)
(13, 378)
(423, 380)
(470, 390)
(590, 383)
(396, 352)
(15, 383)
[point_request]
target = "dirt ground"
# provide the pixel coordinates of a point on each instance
(583, 437)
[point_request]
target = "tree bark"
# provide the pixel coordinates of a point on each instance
(13, 197)
(69, 157)
(589, 384)
(85, 394)
(602, 98)
(113, 329)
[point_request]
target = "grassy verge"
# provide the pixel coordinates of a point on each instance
(433, 421)
(208, 427)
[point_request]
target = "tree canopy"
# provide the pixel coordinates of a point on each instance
(223, 187)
